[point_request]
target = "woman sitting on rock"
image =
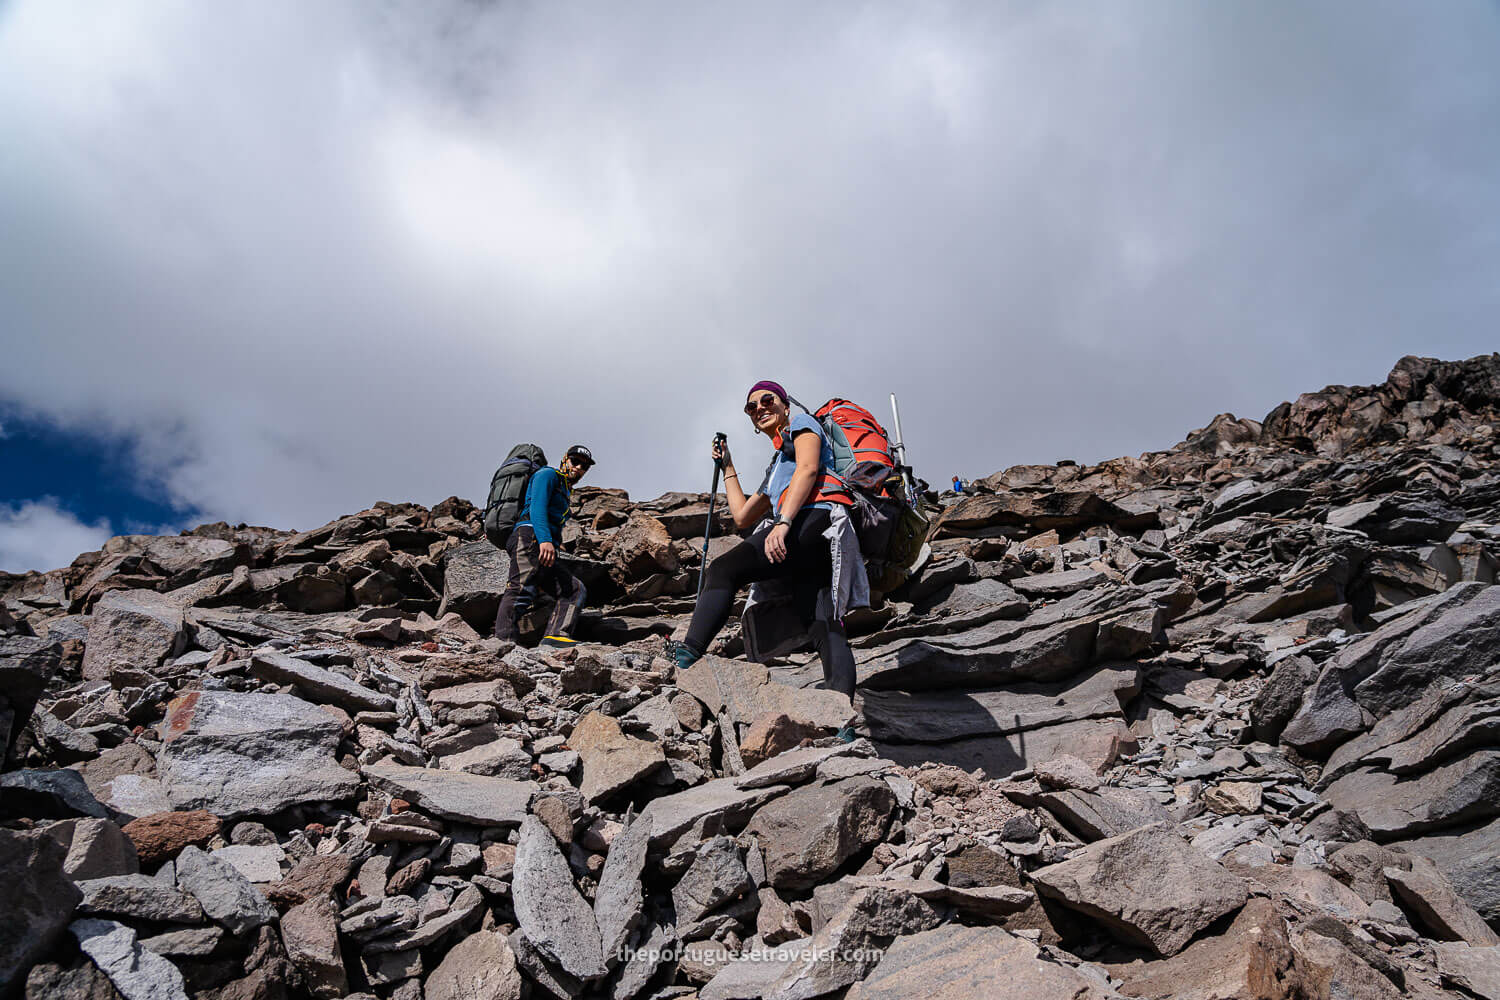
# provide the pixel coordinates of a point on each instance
(804, 549)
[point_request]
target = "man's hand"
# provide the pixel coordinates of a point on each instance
(776, 543)
(547, 554)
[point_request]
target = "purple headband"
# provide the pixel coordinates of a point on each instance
(773, 386)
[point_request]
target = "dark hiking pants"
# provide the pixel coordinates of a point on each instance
(530, 580)
(808, 565)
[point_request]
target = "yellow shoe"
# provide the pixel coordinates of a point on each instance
(558, 642)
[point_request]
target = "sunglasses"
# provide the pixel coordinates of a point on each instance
(764, 402)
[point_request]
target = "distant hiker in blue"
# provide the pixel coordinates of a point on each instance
(533, 554)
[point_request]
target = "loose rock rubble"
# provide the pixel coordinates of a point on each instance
(1218, 721)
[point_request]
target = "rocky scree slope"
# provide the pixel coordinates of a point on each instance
(1221, 721)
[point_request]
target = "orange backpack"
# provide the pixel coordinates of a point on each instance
(861, 447)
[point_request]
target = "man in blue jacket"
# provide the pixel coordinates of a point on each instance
(533, 554)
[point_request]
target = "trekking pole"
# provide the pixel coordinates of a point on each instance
(900, 449)
(713, 495)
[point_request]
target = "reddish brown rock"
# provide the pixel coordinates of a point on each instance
(313, 878)
(160, 836)
(773, 733)
(1253, 960)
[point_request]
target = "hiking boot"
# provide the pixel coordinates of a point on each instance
(558, 642)
(682, 654)
(847, 734)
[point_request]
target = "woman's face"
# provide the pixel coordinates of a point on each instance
(766, 410)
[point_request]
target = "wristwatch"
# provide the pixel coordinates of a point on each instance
(783, 519)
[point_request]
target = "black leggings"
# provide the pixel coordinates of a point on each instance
(808, 564)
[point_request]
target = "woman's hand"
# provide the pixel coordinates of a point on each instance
(720, 453)
(776, 542)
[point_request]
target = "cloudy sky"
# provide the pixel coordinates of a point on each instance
(272, 262)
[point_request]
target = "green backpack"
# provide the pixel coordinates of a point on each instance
(508, 491)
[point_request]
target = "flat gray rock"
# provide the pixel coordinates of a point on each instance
(1470, 860)
(1148, 887)
(249, 754)
(137, 973)
(193, 942)
(850, 943)
(550, 911)
(456, 795)
(941, 716)
(618, 898)
(258, 863)
(1050, 644)
(720, 801)
(226, 896)
(1060, 584)
(1095, 741)
(501, 758)
(791, 767)
(137, 897)
(1108, 812)
(319, 683)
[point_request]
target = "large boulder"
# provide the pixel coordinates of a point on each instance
(474, 578)
(642, 546)
(132, 630)
(1148, 887)
(810, 832)
(39, 900)
(250, 754)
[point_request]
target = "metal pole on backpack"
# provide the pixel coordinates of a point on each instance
(899, 450)
(708, 529)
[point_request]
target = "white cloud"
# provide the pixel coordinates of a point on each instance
(316, 255)
(40, 535)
